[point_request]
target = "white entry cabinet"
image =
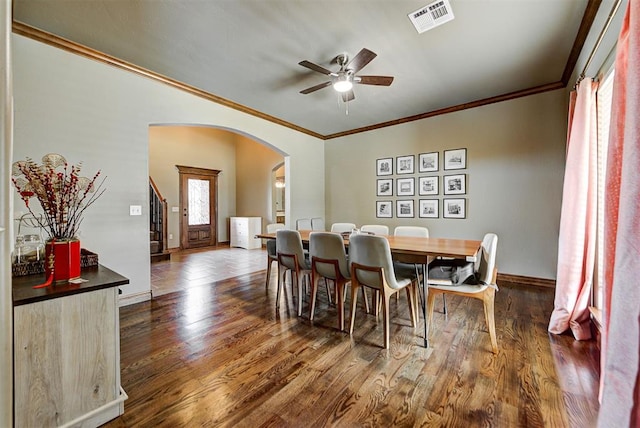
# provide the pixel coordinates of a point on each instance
(243, 232)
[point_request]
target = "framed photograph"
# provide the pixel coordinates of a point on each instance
(428, 162)
(454, 208)
(404, 208)
(384, 166)
(404, 164)
(385, 187)
(428, 208)
(428, 185)
(455, 184)
(384, 209)
(405, 186)
(455, 159)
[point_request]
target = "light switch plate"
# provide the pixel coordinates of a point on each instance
(135, 209)
(174, 209)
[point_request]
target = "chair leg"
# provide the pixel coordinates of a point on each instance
(326, 285)
(299, 280)
(281, 274)
(354, 301)
(411, 298)
(366, 302)
(386, 300)
(266, 285)
(315, 279)
(431, 301)
(488, 299)
(444, 304)
(340, 303)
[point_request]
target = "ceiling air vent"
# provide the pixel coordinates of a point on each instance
(431, 16)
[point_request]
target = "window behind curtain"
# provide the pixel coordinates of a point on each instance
(603, 99)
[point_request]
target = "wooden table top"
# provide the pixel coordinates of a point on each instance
(419, 247)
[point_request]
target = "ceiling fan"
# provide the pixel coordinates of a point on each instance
(344, 79)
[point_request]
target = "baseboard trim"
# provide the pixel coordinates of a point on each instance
(527, 280)
(130, 299)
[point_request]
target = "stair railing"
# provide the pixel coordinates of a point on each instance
(158, 214)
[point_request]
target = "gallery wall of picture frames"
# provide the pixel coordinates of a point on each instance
(427, 185)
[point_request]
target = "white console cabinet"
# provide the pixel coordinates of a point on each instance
(243, 232)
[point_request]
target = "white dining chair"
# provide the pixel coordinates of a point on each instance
(484, 290)
(410, 269)
(342, 227)
(372, 266)
(419, 231)
(317, 223)
(303, 224)
(376, 229)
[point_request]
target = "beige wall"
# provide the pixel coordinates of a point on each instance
(515, 168)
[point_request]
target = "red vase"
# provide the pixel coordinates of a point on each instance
(66, 260)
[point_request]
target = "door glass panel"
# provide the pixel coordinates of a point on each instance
(198, 202)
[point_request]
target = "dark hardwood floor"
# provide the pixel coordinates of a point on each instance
(218, 354)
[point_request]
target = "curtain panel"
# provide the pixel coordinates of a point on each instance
(620, 383)
(577, 240)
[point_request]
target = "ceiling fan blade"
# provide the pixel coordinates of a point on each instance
(375, 80)
(314, 67)
(315, 88)
(348, 96)
(363, 58)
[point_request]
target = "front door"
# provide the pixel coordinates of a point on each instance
(198, 206)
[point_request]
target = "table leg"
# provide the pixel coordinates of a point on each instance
(425, 291)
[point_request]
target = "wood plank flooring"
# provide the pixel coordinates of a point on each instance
(218, 354)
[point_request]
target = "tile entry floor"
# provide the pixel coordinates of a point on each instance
(194, 268)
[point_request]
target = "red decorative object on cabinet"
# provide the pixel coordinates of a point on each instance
(64, 258)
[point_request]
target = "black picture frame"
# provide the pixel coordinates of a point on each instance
(404, 208)
(428, 208)
(384, 166)
(455, 159)
(405, 164)
(454, 208)
(384, 187)
(428, 162)
(405, 186)
(428, 186)
(455, 184)
(384, 209)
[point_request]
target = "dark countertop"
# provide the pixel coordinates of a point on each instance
(98, 277)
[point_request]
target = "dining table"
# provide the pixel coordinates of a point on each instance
(417, 250)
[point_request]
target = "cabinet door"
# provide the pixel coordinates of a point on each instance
(66, 358)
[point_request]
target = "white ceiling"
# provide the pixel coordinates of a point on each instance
(247, 51)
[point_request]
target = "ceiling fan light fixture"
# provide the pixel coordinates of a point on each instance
(342, 83)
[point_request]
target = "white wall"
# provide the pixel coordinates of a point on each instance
(515, 168)
(91, 112)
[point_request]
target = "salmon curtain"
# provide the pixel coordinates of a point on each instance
(620, 383)
(577, 240)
